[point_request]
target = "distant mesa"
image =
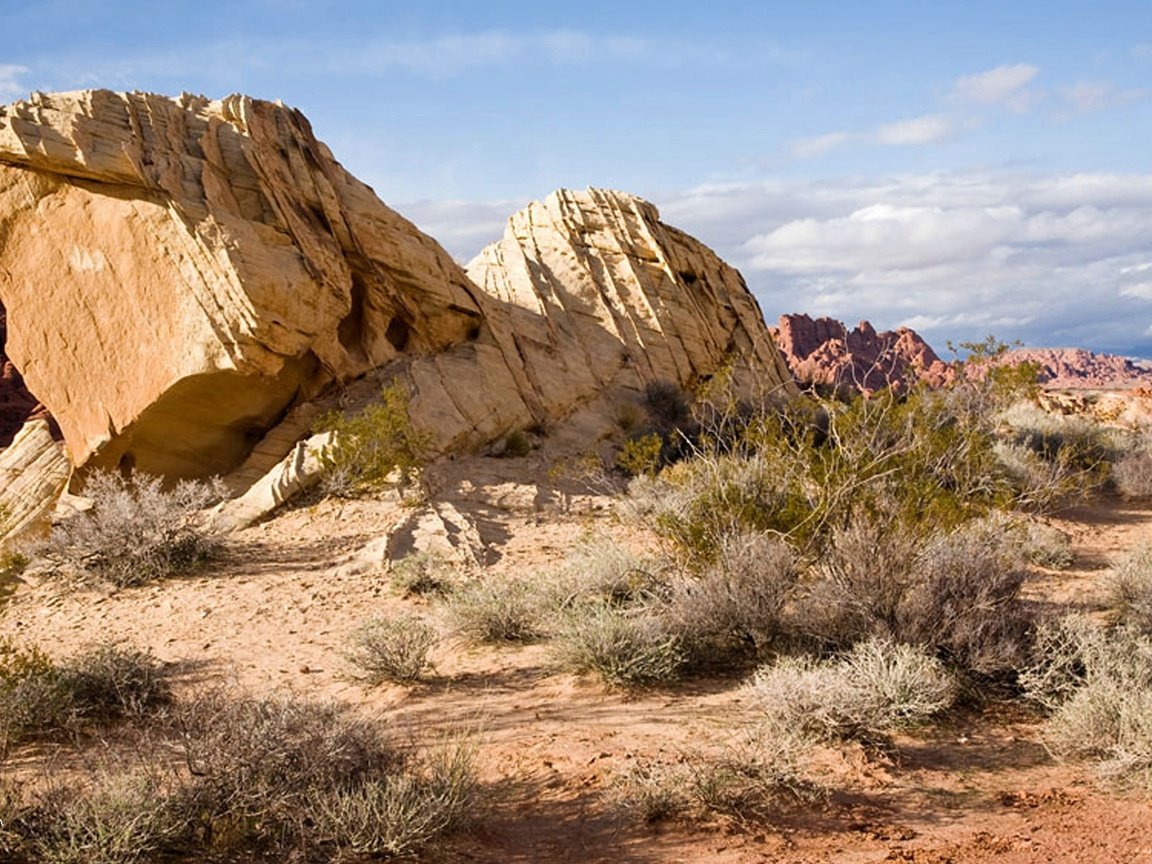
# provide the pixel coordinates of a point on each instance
(824, 352)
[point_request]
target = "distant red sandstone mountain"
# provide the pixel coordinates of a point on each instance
(823, 351)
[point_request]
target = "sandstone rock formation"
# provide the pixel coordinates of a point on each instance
(824, 351)
(596, 293)
(180, 272)
(184, 276)
(33, 471)
(1075, 368)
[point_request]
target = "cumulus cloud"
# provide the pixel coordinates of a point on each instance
(1048, 259)
(1004, 86)
(10, 86)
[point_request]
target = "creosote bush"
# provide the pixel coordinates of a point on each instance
(375, 449)
(135, 531)
(392, 649)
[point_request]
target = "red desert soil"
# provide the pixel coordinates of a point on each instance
(979, 787)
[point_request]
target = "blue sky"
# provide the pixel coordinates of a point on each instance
(962, 167)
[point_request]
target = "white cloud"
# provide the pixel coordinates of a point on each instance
(461, 227)
(1004, 86)
(927, 129)
(1088, 96)
(805, 148)
(10, 86)
(1049, 259)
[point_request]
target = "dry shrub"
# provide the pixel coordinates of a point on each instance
(877, 687)
(1130, 589)
(751, 777)
(392, 649)
(1132, 474)
(495, 610)
(1099, 687)
(734, 606)
(626, 647)
(135, 531)
(966, 603)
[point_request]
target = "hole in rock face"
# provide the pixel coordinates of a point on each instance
(17, 404)
(688, 277)
(398, 333)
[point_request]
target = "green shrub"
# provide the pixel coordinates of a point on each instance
(392, 649)
(375, 449)
(625, 647)
(135, 531)
(495, 610)
(641, 455)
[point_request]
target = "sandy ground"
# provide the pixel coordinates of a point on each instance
(276, 612)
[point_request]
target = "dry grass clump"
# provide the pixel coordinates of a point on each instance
(624, 646)
(252, 779)
(392, 649)
(1098, 685)
(1130, 589)
(751, 778)
(423, 574)
(99, 684)
(497, 610)
(876, 688)
(135, 531)
(1132, 472)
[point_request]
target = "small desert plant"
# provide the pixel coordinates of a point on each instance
(749, 777)
(626, 647)
(641, 455)
(876, 688)
(1130, 589)
(100, 684)
(1099, 686)
(392, 649)
(495, 610)
(135, 531)
(1132, 473)
(374, 449)
(398, 814)
(259, 767)
(734, 606)
(119, 818)
(423, 573)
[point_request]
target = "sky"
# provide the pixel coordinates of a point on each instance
(963, 168)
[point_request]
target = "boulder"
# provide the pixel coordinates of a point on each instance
(33, 472)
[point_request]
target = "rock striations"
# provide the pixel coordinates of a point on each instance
(183, 276)
(824, 351)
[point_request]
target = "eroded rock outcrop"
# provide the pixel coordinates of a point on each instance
(1076, 368)
(183, 277)
(596, 292)
(824, 351)
(180, 272)
(33, 471)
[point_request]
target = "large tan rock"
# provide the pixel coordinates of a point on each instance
(180, 272)
(183, 278)
(593, 292)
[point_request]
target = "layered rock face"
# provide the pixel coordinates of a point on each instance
(596, 292)
(180, 272)
(1075, 368)
(824, 351)
(183, 276)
